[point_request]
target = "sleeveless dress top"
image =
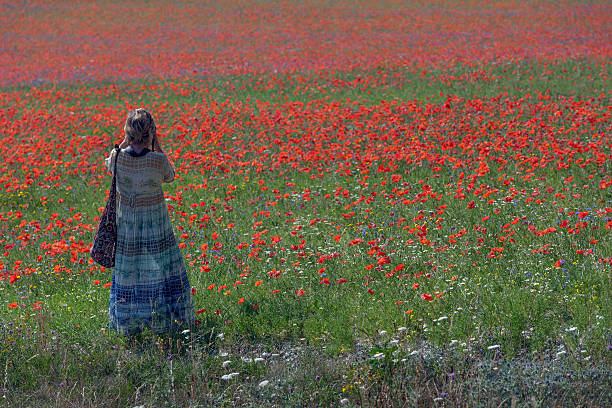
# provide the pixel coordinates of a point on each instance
(149, 286)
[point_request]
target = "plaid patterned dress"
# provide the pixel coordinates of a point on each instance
(149, 286)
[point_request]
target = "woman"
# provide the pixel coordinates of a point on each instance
(149, 286)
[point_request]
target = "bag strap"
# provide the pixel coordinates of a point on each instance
(117, 149)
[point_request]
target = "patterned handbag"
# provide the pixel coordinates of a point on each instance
(105, 241)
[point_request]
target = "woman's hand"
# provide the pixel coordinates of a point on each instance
(156, 145)
(125, 143)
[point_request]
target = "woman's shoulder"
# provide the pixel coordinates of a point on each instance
(158, 160)
(157, 154)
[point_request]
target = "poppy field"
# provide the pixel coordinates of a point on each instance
(366, 194)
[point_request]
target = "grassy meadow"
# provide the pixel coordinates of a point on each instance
(373, 279)
(385, 235)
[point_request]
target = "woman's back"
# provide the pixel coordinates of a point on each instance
(140, 174)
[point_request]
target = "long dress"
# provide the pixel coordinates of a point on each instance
(149, 287)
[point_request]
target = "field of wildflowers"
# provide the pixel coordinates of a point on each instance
(377, 204)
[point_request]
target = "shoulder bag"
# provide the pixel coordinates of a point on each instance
(105, 241)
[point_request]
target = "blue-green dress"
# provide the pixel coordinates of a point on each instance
(149, 287)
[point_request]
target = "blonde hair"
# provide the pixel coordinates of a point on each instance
(140, 127)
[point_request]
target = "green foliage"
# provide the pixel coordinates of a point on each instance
(550, 327)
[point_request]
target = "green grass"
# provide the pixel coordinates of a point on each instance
(512, 331)
(582, 79)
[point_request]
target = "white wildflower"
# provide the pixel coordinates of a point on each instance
(571, 329)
